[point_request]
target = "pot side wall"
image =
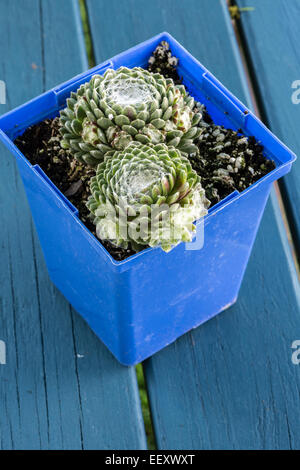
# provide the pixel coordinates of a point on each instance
(138, 311)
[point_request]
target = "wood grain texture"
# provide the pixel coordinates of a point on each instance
(272, 35)
(229, 384)
(119, 24)
(60, 388)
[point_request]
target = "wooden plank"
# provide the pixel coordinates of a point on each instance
(230, 383)
(119, 24)
(60, 388)
(272, 35)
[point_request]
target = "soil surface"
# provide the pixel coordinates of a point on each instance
(40, 145)
(162, 61)
(228, 161)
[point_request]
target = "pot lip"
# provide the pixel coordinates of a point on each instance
(208, 82)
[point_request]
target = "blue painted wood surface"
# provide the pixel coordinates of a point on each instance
(60, 388)
(119, 24)
(230, 383)
(272, 35)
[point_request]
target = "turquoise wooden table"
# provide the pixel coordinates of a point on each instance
(231, 383)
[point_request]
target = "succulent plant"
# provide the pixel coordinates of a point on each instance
(128, 105)
(146, 195)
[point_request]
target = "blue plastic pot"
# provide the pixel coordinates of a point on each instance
(140, 305)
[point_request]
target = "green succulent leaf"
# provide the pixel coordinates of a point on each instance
(146, 195)
(124, 105)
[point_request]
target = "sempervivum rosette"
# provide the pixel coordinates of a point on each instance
(146, 195)
(128, 105)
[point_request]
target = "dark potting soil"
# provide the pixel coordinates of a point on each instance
(221, 150)
(40, 145)
(228, 161)
(162, 61)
